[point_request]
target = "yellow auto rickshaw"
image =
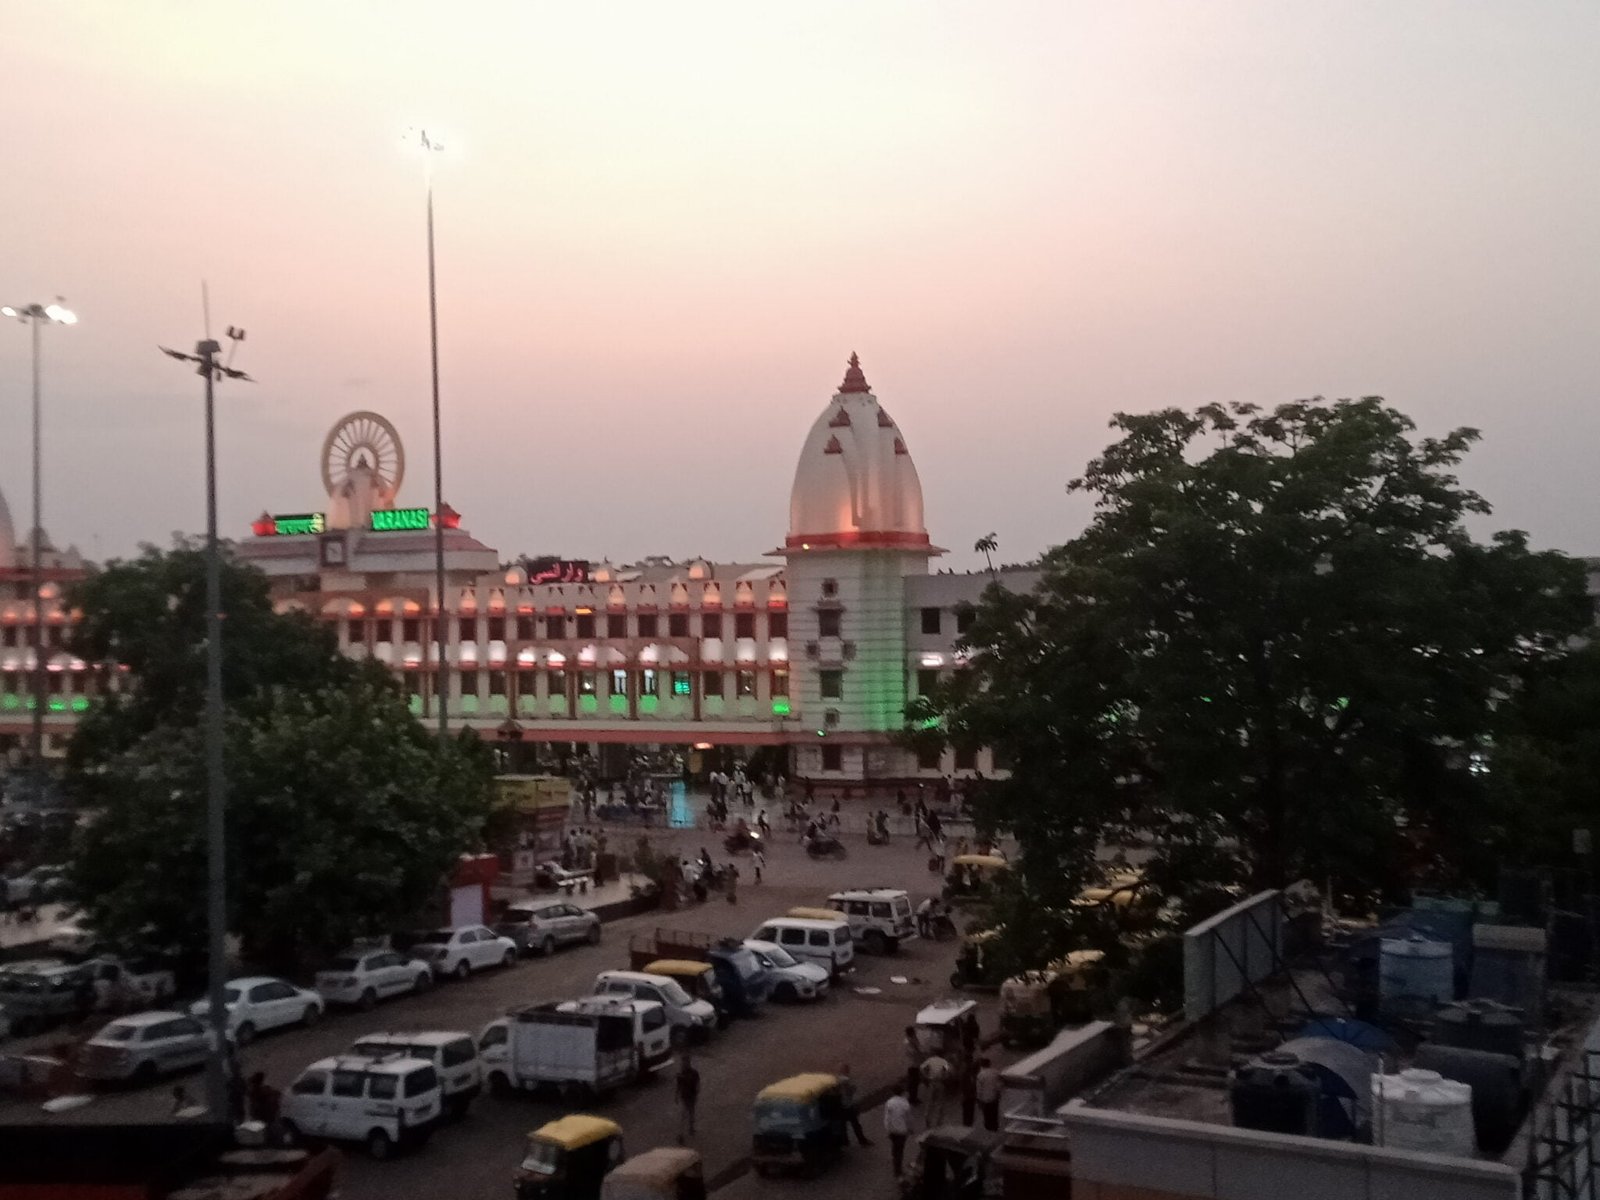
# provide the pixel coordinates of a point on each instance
(970, 876)
(699, 979)
(975, 962)
(665, 1173)
(1034, 1004)
(799, 1124)
(568, 1158)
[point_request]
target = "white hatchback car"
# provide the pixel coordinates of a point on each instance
(258, 1003)
(793, 979)
(139, 1048)
(365, 977)
(465, 949)
(385, 1103)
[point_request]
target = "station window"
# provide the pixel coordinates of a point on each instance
(616, 625)
(712, 683)
(928, 758)
(830, 587)
(930, 620)
(964, 618)
(383, 630)
(677, 624)
(780, 683)
(829, 622)
(927, 680)
(833, 757)
(528, 683)
(8, 635)
(586, 625)
(525, 629)
(744, 625)
(555, 626)
(619, 683)
(778, 624)
(586, 683)
(469, 683)
(411, 630)
(555, 681)
(467, 629)
(681, 684)
(832, 684)
(497, 629)
(497, 683)
(647, 624)
(647, 681)
(966, 758)
(711, 625)
(744, 683)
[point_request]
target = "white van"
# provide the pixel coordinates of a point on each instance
(827, 943)
(453, 1053)
(385, 1103)
(691, 1020)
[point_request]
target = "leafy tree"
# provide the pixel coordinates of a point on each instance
(1275, 652)
(344, 814)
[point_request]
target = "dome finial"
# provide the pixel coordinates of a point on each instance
(854, 380)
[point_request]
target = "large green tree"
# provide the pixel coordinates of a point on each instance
(344, 814)
(1275, 652)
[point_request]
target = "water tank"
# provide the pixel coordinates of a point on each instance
(1481, 1025)
(1497, 1089)
(1416, 969)
(1360, 1034)
(1312, 1086)
(1422, 1110)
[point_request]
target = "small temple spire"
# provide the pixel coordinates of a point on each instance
(854, 380)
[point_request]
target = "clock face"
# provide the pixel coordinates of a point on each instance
(333, 552)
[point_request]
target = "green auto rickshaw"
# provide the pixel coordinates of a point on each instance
(799, 1124)
(568, 1158)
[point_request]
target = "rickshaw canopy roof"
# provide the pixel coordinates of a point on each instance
(576, 1131)
(989, 862)
(653, 1173)
(942, 1012)
(817, 914)
(799, 1087)
(978, 936)
(677, 966)
(964, 1139)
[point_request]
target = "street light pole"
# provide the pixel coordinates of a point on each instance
(36, 315)
(205, 356)
(442, 686)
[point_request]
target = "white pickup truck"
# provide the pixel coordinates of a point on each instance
(571, 1053)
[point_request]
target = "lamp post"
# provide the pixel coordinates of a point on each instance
(35, 316)
(429, 147)
(205, 356)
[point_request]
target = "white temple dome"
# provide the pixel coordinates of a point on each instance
(855, 484)
(8, 537)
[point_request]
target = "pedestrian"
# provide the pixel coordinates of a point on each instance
(688, 1097)
(925, 918)
(730, 884)
(762, 824)
(936, 1071)
(913, 1050)
(897, 1124)
(758, 860)
(988, 1085)
(847, 1099)
(971, 1035)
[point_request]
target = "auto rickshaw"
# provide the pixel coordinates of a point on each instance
(699, 979)
(665, 1173)
(975, 965)
(799, 1124)
(952, 1163)
(972, 875)
(1034, 1004)
(938, 1027)
(567, 1159)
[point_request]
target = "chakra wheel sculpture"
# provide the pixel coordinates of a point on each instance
(364, 440)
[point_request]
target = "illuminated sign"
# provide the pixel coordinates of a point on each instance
(388, 520)
(558, 570)
(290, 524)
(780, 708)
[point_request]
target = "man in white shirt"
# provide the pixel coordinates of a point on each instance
(936, 1076)
(897, 1124)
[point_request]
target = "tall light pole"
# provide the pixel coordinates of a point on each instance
(429, 148)
(36, 315)
(205, 355)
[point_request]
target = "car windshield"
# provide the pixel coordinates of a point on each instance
(779, 957)
(542, 1157)
(438, 937)
(344, 964)
(674, 993)
(785, 1114)
(230, 995)
(118, 1033)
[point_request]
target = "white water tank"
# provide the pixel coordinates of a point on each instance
(1423, 1111)
(1416, 968)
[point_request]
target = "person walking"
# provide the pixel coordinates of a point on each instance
(688, 1088)
(936, 1072)
(758, 860)
(987, 1086)
(847, 1099)
(913, 1063)
(925, 918)
(897, 1125)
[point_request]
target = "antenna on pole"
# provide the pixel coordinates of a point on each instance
(205, 306)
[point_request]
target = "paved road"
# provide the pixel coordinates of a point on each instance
(477, 1157)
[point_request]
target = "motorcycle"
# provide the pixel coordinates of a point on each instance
(741, 840)
(825, 846)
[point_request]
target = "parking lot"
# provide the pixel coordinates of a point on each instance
(478, 1156)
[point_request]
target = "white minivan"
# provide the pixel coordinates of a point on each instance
(383, 1103)
(812, 939)
(452, 1052)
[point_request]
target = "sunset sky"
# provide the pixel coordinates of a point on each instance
(662, 229)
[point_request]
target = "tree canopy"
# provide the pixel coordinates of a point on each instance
(1275, 652)
(344, 815)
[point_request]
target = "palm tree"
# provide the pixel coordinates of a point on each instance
(986, 546)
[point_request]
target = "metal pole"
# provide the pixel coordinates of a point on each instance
(442, 688)
(216, 857)
(37, 746)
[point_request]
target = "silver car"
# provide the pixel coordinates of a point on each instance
(141, 1047)
(539, 926)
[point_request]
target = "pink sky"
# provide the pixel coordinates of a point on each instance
(662, 229)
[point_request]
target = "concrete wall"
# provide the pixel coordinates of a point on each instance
(1128, 1156)
(1074, 1060)
(1226, 953)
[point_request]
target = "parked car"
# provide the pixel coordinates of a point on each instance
(689, 1018)
(363, 977)
(792, 978)
(138, 1048)
(39, 993)
(258, 1003)
(880, 917)
(542, 925)
(454, 1055)
(384, 1103)
(464, 949)
(827, 943)
(122, 984)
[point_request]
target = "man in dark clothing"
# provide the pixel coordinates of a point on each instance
(914, 1057)
(688, 1097)
(847, 1096)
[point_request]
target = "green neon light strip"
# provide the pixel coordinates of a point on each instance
(388, 520)
(300, 523)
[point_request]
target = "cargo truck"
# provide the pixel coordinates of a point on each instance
(573, 1053)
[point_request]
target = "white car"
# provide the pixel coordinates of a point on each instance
(690, 1019)
(258, 1003)
(365, 977)
(453, 1054)
(539, 926)
(792, 979)
(138, 1048)
(465, 949)
(385, 1103)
